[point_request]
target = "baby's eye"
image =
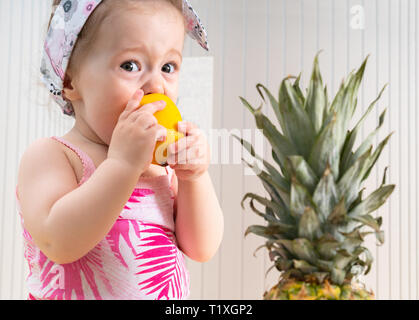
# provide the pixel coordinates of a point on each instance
(169, 68)
(128, 66)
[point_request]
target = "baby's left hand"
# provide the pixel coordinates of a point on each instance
(190, 155)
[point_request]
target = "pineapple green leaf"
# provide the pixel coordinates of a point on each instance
(293, 274)
(298, 127)
(324, 265)
(316, 100)
(304, 250)
(326, 109)
(338, 215)
(296, 86)
(269, 188)
(281, 146)
(258, 248)
(283, 213)
(279, 251)
(273, 101)
(283, 265)
(281, 164)
(380, 237)
(287, 245)
(373, 201)
(309, 225)
(356, 233)
(280, 227)
(247, 105)
(338, 276)
(345, 104)
(325, 195)
(304, 266)
(277, 193)
(267, 217)
(348, 184)
(274, 206)
(384, 176)
(342, 259)
(371, 162)
(320, 276)
(286, 229)
(270, 232)
(368, 140)
(268, 244)
(325, 150)
(327, 248)
(357, 201)
(271, 169)
(339, 95)
(368, 258)
(297, 166)
(269, 269)
(368, 261)
(300, 199)
(368, 220)
(353, 239)
(347, 156)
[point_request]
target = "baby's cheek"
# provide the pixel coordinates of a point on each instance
(107, 126)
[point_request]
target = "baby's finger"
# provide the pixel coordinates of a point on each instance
(188, 156)
(181, 144)
(133, 103)
(188, 128)
(153, 107)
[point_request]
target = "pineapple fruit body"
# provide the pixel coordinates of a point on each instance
(316, 214)
(305, 290)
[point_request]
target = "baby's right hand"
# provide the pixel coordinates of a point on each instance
(134, 136)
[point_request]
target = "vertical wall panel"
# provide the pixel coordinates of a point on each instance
(394, 170)
(255, 49)
(251, 41)
(275, 65)
(412, 160)
(381, 52)
(231, 118)
(211, 273)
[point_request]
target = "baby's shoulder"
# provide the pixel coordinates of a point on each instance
(43, 148)
(44, 157)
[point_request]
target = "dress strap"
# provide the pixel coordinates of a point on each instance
(88, 165)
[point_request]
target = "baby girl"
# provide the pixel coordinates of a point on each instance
(100, 220)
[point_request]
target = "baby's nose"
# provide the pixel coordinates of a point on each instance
(153, 85)
(153, 91)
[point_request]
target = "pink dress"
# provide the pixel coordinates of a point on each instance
(138, 258)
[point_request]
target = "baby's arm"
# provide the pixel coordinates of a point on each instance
(199, 218)
(66, 221)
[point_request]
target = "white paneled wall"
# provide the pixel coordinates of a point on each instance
(251, 41)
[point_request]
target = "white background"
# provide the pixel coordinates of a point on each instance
(251, 41)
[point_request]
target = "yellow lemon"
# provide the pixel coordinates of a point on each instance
(168, 118)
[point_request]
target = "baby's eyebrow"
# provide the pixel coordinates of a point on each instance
(131, 49)
(176, 52)
(141, 48)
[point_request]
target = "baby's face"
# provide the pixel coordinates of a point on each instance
(135, 48)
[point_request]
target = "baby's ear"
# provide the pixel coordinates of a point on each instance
(69, 91)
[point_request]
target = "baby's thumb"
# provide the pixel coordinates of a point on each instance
(134, 102)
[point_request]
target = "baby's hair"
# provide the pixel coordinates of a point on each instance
(90, 28)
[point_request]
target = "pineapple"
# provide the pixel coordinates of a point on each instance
(316, 213)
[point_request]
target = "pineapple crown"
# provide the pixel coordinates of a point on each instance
(316, 211)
